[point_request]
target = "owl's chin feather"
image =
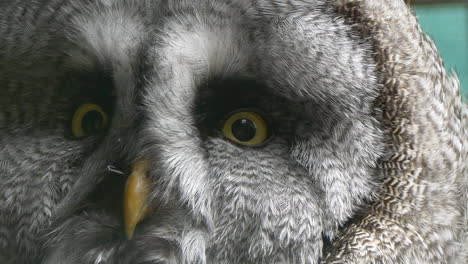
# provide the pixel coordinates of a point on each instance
(99, 236)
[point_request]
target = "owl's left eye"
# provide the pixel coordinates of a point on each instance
(246, 128)
(88, 119)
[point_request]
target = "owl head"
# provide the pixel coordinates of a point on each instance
(200, 132)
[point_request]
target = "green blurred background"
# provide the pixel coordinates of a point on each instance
(447, 24)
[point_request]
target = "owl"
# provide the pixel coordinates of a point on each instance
(214, 131)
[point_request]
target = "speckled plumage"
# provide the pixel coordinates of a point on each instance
(367, 163)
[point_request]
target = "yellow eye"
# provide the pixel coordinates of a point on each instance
(246, 128)
(88, 119)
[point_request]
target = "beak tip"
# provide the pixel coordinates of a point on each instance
(129, 232)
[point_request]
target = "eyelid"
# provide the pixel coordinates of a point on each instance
(246, 109)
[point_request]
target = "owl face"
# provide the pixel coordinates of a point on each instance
(255, 129)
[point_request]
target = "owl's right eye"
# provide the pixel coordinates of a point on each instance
(88, 119)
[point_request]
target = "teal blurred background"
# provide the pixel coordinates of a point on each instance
(447, 24)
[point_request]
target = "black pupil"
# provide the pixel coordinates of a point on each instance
(244, 129)
(92, 122)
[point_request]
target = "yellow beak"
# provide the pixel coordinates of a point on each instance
(136, 197)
